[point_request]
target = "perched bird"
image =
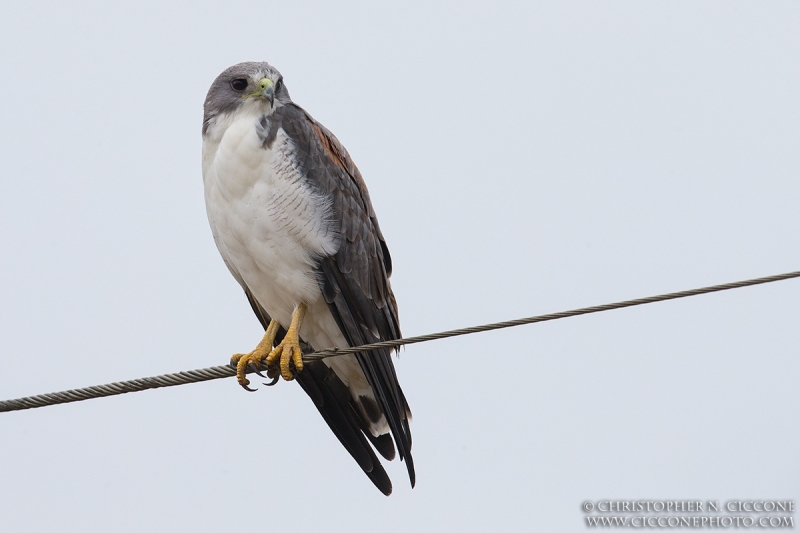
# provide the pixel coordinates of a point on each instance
(292, 219)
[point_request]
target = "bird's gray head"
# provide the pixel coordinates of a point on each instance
(245, 84)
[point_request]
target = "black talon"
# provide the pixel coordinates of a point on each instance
(273, 382)
(256, 366)
(245, 387)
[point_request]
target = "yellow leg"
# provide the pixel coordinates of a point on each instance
(289, 350)
(262, 351)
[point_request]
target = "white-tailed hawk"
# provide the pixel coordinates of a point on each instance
(293, 221)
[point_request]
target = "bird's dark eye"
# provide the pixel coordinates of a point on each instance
(279, 85)
(239, 84)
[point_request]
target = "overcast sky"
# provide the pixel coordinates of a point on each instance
(523, 158)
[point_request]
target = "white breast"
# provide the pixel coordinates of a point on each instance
(268, 224)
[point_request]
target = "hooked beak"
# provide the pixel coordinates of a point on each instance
(267, 90)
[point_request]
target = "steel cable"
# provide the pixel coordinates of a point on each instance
(225, 371)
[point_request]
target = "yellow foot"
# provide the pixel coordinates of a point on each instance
(286, 354)
(289, 352)
(254, 359)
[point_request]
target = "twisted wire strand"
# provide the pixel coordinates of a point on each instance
(225, 371)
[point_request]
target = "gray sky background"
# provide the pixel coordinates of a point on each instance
(523, 158)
